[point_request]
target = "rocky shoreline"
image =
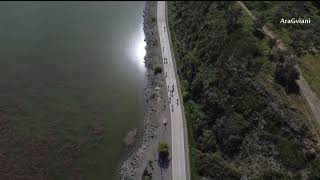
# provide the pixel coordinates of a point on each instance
(151, 104)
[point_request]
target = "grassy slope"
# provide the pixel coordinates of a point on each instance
(310, 66)
(292, 101)
(309, 63)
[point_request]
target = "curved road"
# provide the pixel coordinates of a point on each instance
(179, 156)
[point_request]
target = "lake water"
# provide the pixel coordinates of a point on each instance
(71, 87)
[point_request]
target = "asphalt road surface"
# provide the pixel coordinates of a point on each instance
(178, 147)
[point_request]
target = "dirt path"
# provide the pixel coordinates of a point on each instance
(311, 98)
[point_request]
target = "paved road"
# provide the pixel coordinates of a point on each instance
(178, 147)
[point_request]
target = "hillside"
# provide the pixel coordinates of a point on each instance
(302, 39)
(242, 121)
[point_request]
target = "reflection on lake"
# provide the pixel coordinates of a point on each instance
(71, 86)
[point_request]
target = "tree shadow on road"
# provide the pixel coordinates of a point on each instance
(164, 162)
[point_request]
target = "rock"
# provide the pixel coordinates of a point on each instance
(152, 83)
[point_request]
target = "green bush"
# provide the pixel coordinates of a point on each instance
(150, 163)
(315, 170)
(163, 150)
(290, 153)
(157, 69)
(146, 175)
(270, 174)
(218, 62)
(153, 19)
(214, 166)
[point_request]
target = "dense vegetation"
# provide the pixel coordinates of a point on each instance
(303, 39)
(237, 129)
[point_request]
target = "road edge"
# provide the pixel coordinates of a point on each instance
(185, 129)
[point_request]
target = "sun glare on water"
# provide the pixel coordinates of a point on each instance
(140, 50)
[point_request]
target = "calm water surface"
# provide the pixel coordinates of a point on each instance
(68, 64)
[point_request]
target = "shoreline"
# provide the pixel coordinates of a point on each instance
(132, 167)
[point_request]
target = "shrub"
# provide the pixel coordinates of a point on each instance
(315, 170)
(271, 174)
(163, 150)
(150, 163)
(157, 69)
(153, 19)
(214, 166)
(153, 95)
(146, 174)
(286, 74)
(290, 153)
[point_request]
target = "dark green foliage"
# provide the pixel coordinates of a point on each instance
(215, 167)
(286, 73)
(231, 131)
(290, 153)
(315, 170)
(271, 44)
(232, 20)
(146, 175)
(269, 174)
(163, 150)
(157, 69)
(153, 19)
(303, 38)
(217, 65)
(258, 26)
(150, 163)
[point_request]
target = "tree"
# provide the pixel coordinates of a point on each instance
(157, 69)
(258, 26)
(278, 55)
(273, 174)
(272, 42)
(146, 175)
(286, 73)
(212, 165)
(278, 13)
(163, 150)
(233, 20)
(293, 75)
(315, 170)
(227, 5)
